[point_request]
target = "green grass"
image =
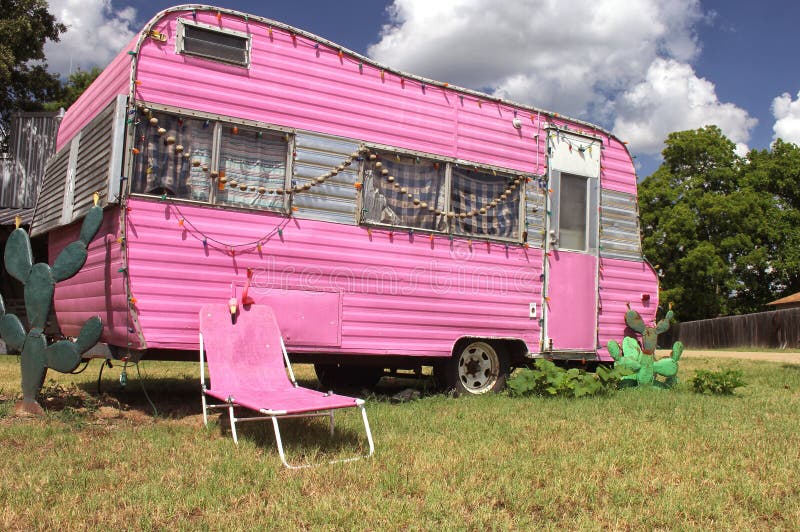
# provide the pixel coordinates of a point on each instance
(634, 460)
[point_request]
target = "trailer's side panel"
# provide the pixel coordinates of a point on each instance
(292, 83)
(535, 211)
(98, 288)
(51, 198)
(624, 282)
(616, 168)
(619, 226)
(114, 80)
(338, 288)
(486, 133)
(94, 156)
(80, 169)
(335, 199)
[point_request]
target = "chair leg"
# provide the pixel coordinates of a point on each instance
(279, 442)
(233, 425)
(282, 454)
(205, 408)
(367, 429)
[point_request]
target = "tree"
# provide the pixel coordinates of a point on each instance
(77, 82)
(25, 25)
(713, 227)
(775, 174)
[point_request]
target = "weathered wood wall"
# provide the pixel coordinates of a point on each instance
(778, 329)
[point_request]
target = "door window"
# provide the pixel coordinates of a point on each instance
(573, 212)
(575, 200)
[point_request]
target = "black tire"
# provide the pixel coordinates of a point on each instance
(474, 369)
(336, 376)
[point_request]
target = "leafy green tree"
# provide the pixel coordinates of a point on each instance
(716, 236)
(77, 82)
(25, 25)
(775, 174)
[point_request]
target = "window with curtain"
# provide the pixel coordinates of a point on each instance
(251, 160)
(405, 191)
(174, 155)
(485, 204)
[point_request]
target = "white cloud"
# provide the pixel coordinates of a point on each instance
(578, 58)
(673, 98)
(566, 56)
(95, 34)
(787, 118)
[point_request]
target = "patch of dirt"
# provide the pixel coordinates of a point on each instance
(786, 358)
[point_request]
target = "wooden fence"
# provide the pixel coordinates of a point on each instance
(778, 329)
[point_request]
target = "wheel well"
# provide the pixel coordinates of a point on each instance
(515, 348)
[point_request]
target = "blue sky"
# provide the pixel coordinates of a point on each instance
(640, 68)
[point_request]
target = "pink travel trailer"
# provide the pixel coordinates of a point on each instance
(392, 222)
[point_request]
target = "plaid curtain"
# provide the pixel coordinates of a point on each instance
(172, 161)
(387, 204)
(252, 159)
(472, 190)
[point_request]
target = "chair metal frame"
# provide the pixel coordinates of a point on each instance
(230, 404)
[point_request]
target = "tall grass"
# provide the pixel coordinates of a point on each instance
(637, 459)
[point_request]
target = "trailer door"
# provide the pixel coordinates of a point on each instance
(571, 261)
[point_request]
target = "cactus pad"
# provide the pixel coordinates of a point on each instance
(640, 359)
(39, 282)
(18, 255)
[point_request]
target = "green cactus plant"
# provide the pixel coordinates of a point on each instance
(39, 281)
(640, 359)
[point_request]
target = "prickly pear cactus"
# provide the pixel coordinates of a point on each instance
(39, 282)
(640, 359)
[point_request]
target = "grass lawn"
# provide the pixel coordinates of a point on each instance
(639, 459)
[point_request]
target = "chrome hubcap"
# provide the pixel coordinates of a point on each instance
(478, 368)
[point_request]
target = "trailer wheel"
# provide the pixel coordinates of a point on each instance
(333, 376)
(476, 369)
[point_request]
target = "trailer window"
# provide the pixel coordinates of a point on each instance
(173, 156)
(405, 191)
(573, 212)
(213, 43)
(252, 166)
(484, 204)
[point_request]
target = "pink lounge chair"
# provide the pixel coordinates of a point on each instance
(247, 367)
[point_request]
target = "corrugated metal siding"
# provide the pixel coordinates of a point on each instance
(292, 83)
(31, 141)
(51, 197)
(114, 80)
(98, 288)
(90, 173)
(623, 282)
(485, 133)
(9, 216)
(619, 226)
(94, 156)
(616, 167)
(400, 295)
(535, 211)
(335, 199)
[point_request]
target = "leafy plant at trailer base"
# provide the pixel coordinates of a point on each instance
(549, 380)
(717, 382)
